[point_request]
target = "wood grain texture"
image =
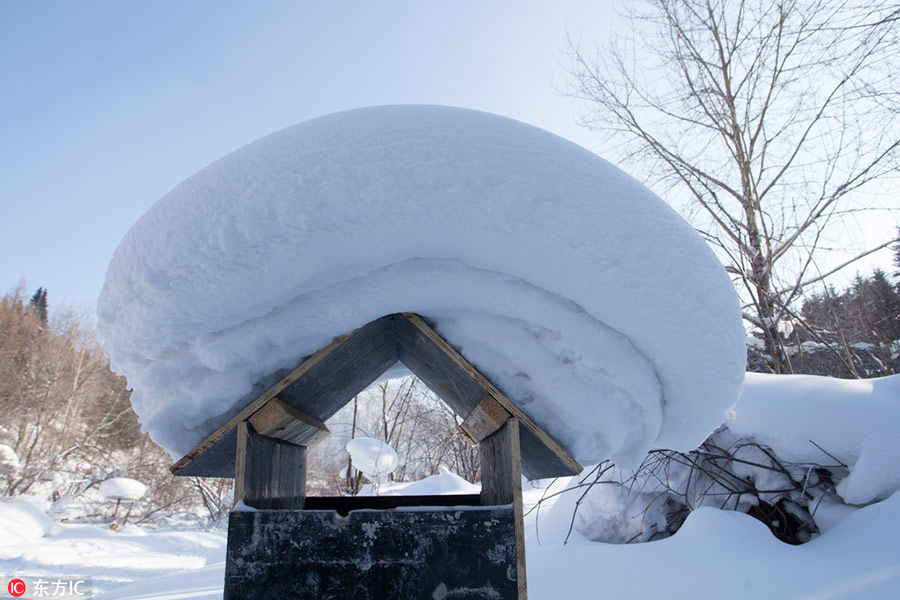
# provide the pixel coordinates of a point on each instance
(284, 422)
(486, 418)
(463, 387)
(501, 483)
(269, 473)
(327, 380)
(345, 372)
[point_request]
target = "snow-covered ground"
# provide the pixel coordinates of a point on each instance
(110, 558)
(716, 554)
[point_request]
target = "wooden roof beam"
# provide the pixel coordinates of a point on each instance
(284, 422)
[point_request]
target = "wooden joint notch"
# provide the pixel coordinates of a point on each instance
(486, 418)
(284, 422)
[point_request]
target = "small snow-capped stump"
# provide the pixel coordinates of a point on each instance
(122, 489)
(373, 458)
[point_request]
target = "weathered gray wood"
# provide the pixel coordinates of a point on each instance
(501, 483)
(279, 420)
(216, 461)
(346, 372)
(269, 473)
(372, 555)
(331, 377)
(462, 387)
(319, 387)
(485, 419)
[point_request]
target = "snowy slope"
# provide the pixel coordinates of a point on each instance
(576, 290)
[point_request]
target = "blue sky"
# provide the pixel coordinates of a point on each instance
(105, 106)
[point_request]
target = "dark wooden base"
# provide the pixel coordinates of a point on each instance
(434, 553)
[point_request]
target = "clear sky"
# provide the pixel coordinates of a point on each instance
(107, 105)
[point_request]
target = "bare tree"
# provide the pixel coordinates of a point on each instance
(67, 419)
(772, 120)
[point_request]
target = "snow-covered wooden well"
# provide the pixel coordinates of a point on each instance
(282, 543)
(567, 313)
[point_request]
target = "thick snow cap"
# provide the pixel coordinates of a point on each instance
(579, 293)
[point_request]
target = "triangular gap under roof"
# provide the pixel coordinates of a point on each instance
(329, 379)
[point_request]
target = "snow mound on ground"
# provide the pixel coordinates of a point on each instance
(444, 483)
(122, 488)
(22, 522)
(583, 296)
(855, 421)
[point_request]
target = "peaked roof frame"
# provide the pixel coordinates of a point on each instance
(327, 380)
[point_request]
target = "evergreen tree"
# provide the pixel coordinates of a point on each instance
(861, 324)
(39, 303)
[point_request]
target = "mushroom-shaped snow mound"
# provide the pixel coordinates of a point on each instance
(584, 297)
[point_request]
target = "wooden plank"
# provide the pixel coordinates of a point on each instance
(462, 387)
(347, 371)
(329, 376)
(486, 418)
(269, 473)
(501, 483)
(342, 505)
(279, 420)
(240, 460)
(216, 461)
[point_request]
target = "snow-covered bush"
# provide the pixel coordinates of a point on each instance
(9, 461)
(22, 521)
(794, 451)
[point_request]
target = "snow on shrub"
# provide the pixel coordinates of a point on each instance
(803, 417)
(794, 453)
(22, 522)
(9, 461)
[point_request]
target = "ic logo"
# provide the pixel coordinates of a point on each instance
(16, 588)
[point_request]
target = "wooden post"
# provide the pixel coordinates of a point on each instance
(501, 483)
(268, 473)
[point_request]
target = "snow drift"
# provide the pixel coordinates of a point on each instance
(583, 296)
(21, 522)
